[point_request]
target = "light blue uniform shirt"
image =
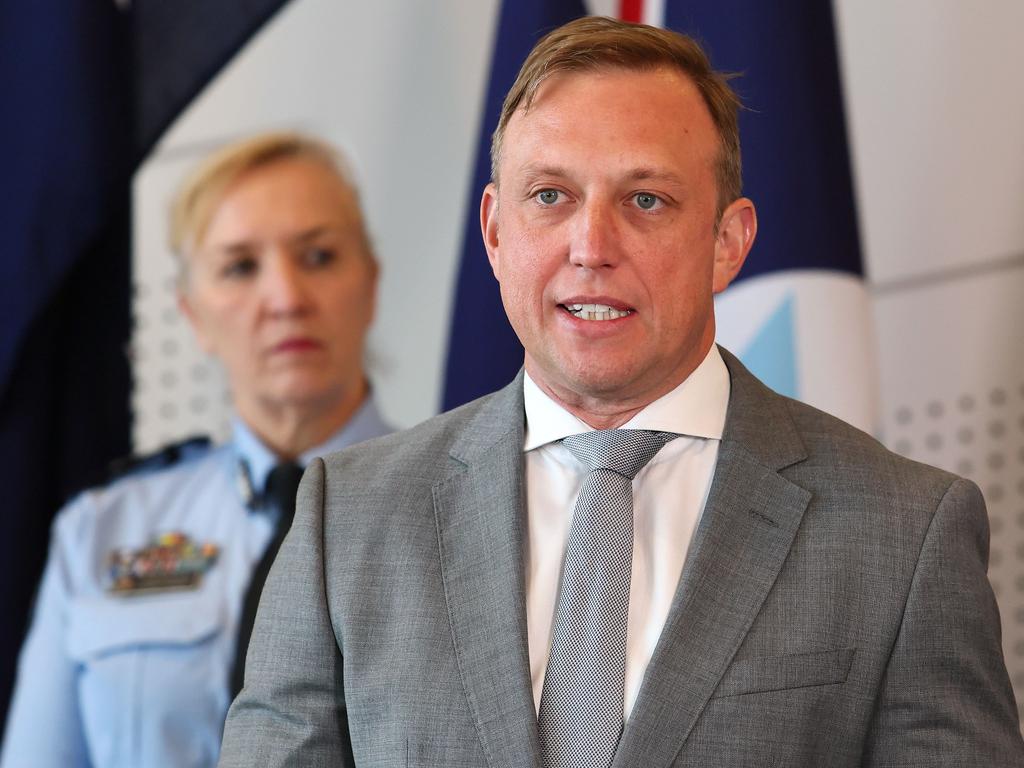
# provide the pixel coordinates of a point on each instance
(140, 679)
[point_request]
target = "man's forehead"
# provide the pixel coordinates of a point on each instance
(657, 111)
(670, 79)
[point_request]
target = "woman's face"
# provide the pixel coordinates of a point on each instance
(281, 288)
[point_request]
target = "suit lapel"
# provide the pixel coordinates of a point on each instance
(738, 549)
(481, 527)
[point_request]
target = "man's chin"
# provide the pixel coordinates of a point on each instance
(587, 381)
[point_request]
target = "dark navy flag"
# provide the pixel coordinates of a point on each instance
(483, 351)
(796, 165)
(179, 47)
(87, 86)
(63, 275)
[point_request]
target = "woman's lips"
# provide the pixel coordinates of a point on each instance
(296, 344)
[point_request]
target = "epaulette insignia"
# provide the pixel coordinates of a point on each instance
(162, 457)
(169, 561)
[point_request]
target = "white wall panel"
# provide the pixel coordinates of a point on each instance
(937, 119)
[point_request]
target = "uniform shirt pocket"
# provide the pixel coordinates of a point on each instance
(778, 673)
(152, 676)
(102, 625)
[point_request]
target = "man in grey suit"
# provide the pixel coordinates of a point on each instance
(795, 595)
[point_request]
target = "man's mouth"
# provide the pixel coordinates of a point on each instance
(595, 311)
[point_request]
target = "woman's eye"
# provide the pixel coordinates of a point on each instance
(646, 201)
(241, 267)
(318, 257)
(548, 196)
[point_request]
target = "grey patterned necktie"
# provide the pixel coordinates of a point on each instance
(581, 704)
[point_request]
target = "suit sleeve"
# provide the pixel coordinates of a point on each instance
(946, 698)
(291, 710)
(46, 689)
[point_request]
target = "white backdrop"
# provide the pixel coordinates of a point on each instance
(936, 116)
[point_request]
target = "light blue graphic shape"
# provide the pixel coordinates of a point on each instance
(771, 355)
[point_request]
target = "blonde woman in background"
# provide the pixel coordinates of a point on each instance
(140, 629)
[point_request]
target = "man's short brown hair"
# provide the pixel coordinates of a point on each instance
(596, 42)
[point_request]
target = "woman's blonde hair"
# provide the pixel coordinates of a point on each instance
(205, 187)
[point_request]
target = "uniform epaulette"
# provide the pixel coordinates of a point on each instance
(161, 458)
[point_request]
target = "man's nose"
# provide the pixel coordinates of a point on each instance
(595, 238)
(283, 285)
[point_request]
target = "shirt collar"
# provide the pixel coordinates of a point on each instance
(696, 408)
(365, 423)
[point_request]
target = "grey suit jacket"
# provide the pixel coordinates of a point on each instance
(834, 609)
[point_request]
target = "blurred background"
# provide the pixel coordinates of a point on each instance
(883, 145)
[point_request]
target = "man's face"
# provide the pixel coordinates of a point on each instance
(602, 234)
(281, 289)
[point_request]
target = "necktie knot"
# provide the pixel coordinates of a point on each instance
(623, 451)
(280, 489)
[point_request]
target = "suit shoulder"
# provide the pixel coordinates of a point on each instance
(843, 451)
(422, 450)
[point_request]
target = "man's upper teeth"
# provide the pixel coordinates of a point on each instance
(596, 311)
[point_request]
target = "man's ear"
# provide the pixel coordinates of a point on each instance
(489, 225)
(736, 232)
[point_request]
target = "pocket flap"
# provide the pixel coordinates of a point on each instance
(777, 673)
(101, 625)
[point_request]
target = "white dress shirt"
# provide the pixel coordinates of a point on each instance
(668, 500)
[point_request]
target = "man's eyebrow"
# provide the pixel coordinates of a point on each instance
(645, 173)
(532, 171)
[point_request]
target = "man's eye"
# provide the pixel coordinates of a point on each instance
(241, 267)
(548, 196)
(318, 257)
(646, 201)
